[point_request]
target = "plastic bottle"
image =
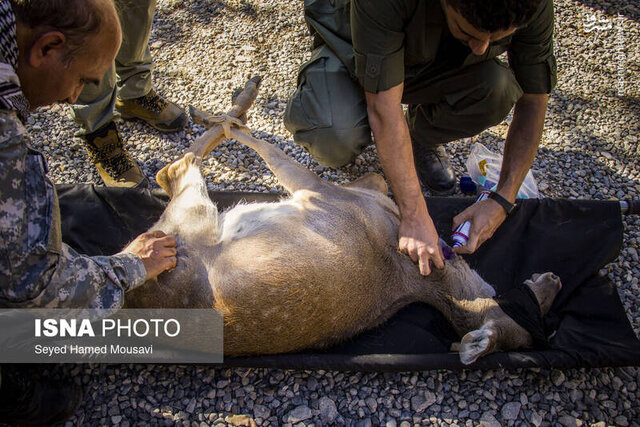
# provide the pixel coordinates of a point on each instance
(484, 166)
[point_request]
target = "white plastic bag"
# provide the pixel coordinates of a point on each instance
(484, 165)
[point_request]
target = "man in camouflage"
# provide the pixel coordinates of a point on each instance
(48, 51)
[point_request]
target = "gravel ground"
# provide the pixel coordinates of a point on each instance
(204, 49)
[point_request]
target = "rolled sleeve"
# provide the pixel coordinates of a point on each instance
(378, 42)
(531, 52)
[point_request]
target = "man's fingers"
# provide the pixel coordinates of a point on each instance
(164, 251)
(406, 246)
(459, 219)
(472, 243)
(438, 261)
(460, 250)
(428, 256)
(157, 233)
(168, 241)
(425, 270)
(170, 263)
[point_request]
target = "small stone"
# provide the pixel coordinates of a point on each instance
(569, 421)
(372, 404)
(156, 44)
(488, 420)
(420, 403)
(191, 406)
(622, 421)
(328, 410)
(536, 419)
(300, 413)
(240, 420)
(511, 410)
(364, 423)
(261, 411)
(312, 383)
(557, 377)
(116, 419)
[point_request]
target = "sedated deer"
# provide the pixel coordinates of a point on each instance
(315, 268)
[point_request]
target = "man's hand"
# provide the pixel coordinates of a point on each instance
(418, 237)
(156, 250)
(520, 149)
(419, 240)
(485, 217)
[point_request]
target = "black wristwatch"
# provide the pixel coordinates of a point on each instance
(506, 205)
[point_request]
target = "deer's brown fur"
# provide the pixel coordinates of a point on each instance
(313, 269)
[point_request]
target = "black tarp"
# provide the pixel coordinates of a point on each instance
(572, 238)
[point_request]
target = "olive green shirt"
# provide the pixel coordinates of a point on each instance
(395, 41)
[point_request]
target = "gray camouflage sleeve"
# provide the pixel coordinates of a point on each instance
(36, 268)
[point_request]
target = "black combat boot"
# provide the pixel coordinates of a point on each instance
(434, 169)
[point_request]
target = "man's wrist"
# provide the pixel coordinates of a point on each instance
(506, 205)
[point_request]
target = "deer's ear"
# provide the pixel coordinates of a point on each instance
(478, 343)
(370, 181)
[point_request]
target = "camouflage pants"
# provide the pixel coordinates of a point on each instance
(130, 75)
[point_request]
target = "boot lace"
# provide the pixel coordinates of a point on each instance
(152, 102)
(111, 156)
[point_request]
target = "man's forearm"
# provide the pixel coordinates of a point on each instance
(393, 143)
(417, 235)
(522, 142)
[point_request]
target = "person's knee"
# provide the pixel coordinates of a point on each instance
(332, 146)
(327, 113)
(502, 91)
(333, 141)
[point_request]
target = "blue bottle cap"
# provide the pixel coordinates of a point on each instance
(467, 186)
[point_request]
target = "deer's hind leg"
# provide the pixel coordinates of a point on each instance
(291, 174)
(191, 215)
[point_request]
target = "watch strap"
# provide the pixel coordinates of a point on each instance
(506, 205)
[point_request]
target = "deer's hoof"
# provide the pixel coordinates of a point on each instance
(168, 176)
(476, 344)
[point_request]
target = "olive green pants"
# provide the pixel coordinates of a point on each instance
(130, 75)
(327, 114)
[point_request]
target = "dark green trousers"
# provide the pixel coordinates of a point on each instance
(327, 114)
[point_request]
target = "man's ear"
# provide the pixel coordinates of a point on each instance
(47, 47)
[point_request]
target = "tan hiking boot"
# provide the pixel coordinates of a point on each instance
(115, 165)
(163, 115)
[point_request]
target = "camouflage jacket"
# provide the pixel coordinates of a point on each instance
(36, 268)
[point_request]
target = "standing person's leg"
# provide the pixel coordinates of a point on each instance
(456, 105)
(327, 114)
(95, 108)
(136, 96)
(94, 111)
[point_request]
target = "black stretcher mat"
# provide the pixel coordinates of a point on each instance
(574, 239)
